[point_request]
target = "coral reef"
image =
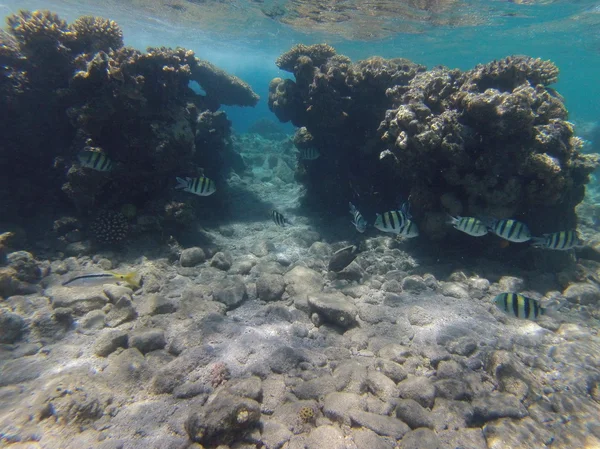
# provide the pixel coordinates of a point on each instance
(90, 92)
(495, 139)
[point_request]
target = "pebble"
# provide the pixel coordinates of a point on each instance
(223, 420)
(270, 287)
(511, 284)
(413, 414)
(495, 405)
(454, 290)
(26, 267)
(335, 308)
(222, 261)
(116, 292)
(420, 439)
(274, 434)
(146, 341)
(191, 257)
(332, 435)
(79, 300)
(381, 425)
(302, 281)
(109, 342)
(338, 406)
(12, 327)
(93, 320)
(231, 291)
(366, 438)
(120, 312)
(250, 387)
(421, 389)
(413, 284)
(582, 293)
(284, 359)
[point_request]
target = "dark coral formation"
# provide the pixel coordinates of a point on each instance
(493, 141)
(75, 87)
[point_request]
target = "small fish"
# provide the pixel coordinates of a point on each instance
(88, 280)
(560, 241)
(201, 185)
(342, 258)
(279, 219)
(391, 221)
(309, 154)
(409, 230)
(95, 160)
(511, 230)
(358, 221)
(469, 225)
(519, 305)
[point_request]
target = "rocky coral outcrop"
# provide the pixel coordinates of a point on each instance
(496, 138)
(136, 108)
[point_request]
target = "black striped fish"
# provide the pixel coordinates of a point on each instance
(279, 219)
(409, 230)
(309, 154)
(201, 186)
(88, 280)
(391, 221)
(357, 219)
(469, 225)
(511, 230)
(560, 241)
(95, 160)
(519, 305)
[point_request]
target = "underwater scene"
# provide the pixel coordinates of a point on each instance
(300, 224)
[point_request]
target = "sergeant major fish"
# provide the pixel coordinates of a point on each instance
(391, 221)
(95, 160)
(201, 185)
(469, 225)
(88, 280)
(279, 219)
(357, 219)
(519, 305)
(560, 241)
(309, 154)
(511, 230)
(409, 230)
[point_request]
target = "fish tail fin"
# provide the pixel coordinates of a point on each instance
(452, 220)
(181, 183)
(551, 306)
(352, 207)
(538, 241)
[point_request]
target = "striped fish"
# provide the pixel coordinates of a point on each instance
(519, 305)
(309, 154)
(357, 219)
(469, 225)
(95, 160)
(511, 230)
(391, 221)
(201, 186)
(560, 241)
(89, 280)
(409, 230)
(279, 219)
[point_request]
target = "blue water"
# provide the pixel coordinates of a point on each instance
(566, 33)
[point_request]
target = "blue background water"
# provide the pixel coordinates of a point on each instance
(567, 33)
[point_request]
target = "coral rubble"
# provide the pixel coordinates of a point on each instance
(494, 139)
